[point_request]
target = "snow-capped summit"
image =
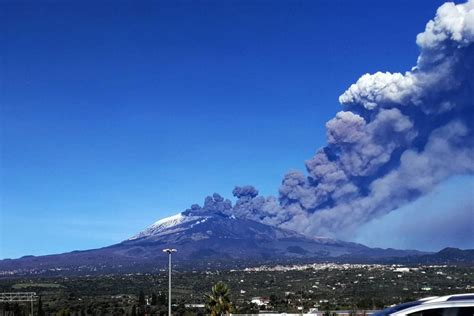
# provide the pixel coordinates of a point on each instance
(169, 221)
(214, 233)
(169, 225)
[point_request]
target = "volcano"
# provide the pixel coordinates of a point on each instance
(202, 239)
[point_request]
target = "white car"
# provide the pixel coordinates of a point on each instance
(451, 305)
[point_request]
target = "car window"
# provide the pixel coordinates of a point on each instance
(448, 311)
(431, 312)
(466, 311)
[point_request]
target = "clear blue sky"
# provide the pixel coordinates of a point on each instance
(115, 114)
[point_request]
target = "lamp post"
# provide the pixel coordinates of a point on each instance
(169, 251)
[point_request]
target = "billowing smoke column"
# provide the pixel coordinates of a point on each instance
(398, 136)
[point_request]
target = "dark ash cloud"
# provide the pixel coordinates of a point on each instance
(398, 136)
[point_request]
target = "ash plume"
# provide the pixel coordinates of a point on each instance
(397, 137)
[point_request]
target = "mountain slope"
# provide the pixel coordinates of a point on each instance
(448, 255)
(202, 238)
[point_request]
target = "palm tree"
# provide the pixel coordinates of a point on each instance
(218, 302)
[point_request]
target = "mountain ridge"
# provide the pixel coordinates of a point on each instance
(205, 239)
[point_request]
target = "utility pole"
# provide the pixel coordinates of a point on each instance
(169, 251)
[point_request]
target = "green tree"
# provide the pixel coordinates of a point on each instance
(162, 299)
(154, 299)
(16, 309)
(273, 300)
(40, 307)
(141, 298)
(218, 302)
(64, 312)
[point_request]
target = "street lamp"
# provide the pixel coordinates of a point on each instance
(169, 251)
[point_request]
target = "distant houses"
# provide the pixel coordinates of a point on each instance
(315, 312)
(260, 301)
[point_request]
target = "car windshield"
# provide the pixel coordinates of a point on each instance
(397, 308)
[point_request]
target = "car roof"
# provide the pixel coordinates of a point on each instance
(456, 300)
(455, 297)
(446, 298)
(434, 305)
